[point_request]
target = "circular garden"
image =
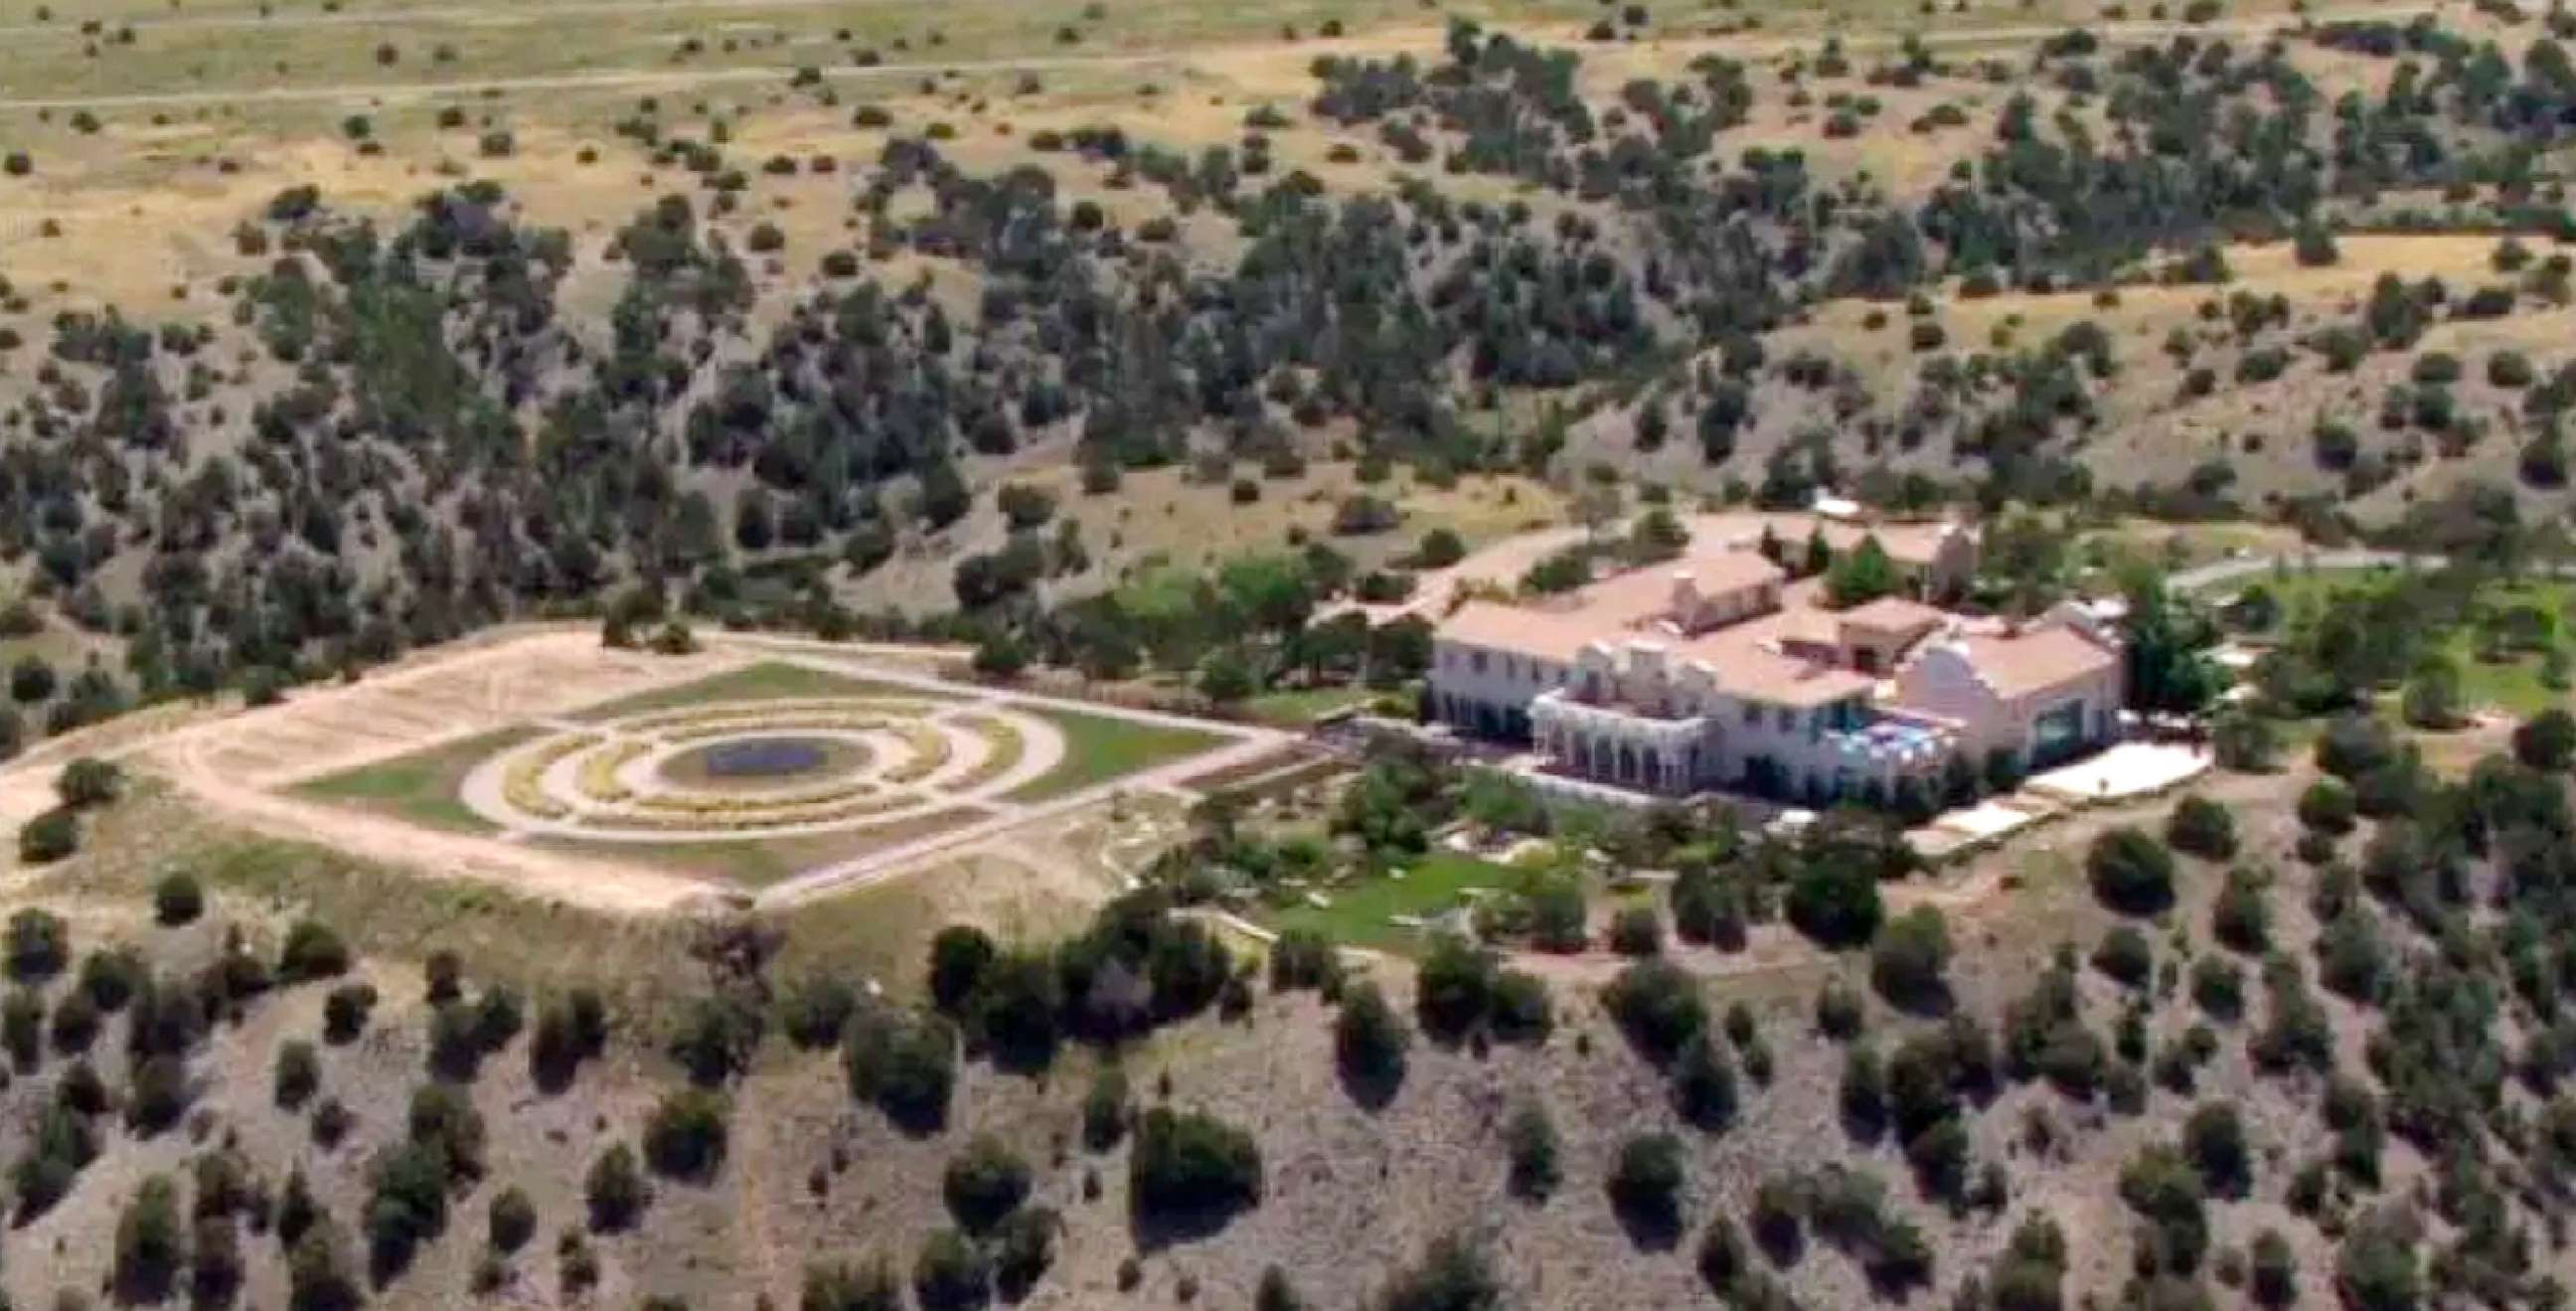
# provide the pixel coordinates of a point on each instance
(760, 768)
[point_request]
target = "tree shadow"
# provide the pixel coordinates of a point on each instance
(1371, 1086)
(1155, 1228)
(1783, 1240)
(1653, 1224)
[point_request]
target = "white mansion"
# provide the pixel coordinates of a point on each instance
(1716, 671)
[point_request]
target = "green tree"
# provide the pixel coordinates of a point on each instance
(2168, 650)
(1861, 575)
(615, 1190)
(151, 1246)
(2546, 741)
(685, 1137)
(1368, 1040)
(1191, 1168)
(2130, 871)
(2203, 828)
(1908, 959)
(1530, 1139)
(1646, 1184)
(984, 1183)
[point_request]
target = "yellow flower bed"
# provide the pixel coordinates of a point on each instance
(750, 822)
(1003, 748)
(694, 716)
(522, 784)
(598, 778)
(774, 724)
(711, 803)
(930, 751)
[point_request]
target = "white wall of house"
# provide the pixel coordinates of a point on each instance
(1941, 681)
(1504, 680)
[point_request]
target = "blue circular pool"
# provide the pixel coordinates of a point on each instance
(768, 757)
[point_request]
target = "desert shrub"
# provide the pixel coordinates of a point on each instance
(905, 1064)
(1454, 988)
(1368, 1039)
(75, 1022)
(442, 977)
(318, 1273)
(49, 837)
(345, 1010)
(177, 899)
(2327, 806)
(312, 951)
(2241, 918)
(22, 1027)
(511, 1219)
(1840, 1013)
(2130, 871)
(2272, 1270)
(1191, 1168)
(1521, 1011)
(1454, 1274)
(716, 1037)
(1105, 1109)
(1302, 958)
(615, 1189)
(2202, 827)
(2353, 745)
(1023, 1248)
(2125, 956)
(2214, 1139)
(1637, 931)
(1703, 1078)
(983, 1183)
(570, 1029)
(1909, 959)
(686, 1136)
(1835, 901)
(2165, 1190)
(1708, 907)
(843, 1286)
(151, 1248)
(2218, 987)
(298, 1075)
(2546, 741)
(1645, 1184)
(39, 945)
(951, 1272)
(1530, 1140)
(1659, 1006)
(816, 1009)
(88, 783)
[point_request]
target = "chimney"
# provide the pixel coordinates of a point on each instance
(1686, 601)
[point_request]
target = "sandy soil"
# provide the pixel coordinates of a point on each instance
(229, 764)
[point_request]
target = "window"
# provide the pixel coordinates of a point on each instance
(1788, 722)
(1478, 660)
(1752, 715)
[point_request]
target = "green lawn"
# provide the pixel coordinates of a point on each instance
(768, 681)
(1099, 748)
(1362, 915)
(421, 787)
(2512, 684)
(1303, 706)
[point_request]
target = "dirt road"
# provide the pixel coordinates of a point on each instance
(1423, 42)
